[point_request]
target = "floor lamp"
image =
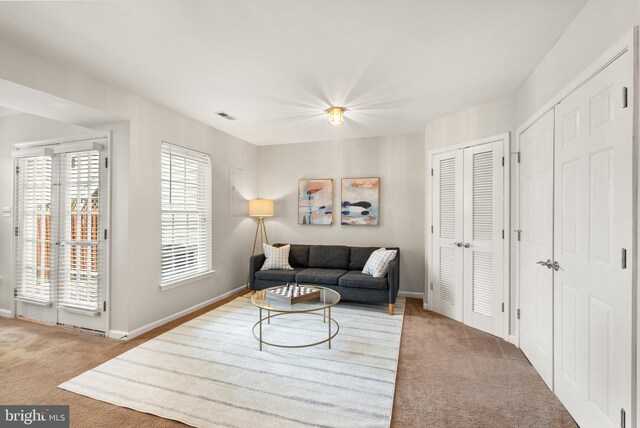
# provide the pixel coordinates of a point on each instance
(260, 208)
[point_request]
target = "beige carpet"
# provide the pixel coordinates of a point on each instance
(35, 359)
(451, 375)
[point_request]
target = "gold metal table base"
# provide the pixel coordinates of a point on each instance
(269, 316)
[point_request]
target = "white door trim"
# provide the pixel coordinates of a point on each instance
(505, 138)
(29, 145)
(626, 43)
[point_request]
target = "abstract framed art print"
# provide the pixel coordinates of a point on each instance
(315, 201)
(360, 201)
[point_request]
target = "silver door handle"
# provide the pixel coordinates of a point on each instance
(548, 263)
(457, 244)
(466, 245)
(555, 266)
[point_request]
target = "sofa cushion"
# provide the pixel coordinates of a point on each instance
(359, 257)
(329, 256)
(320, 276)
(378, 264)
(299, 255)
(278, 275)
(357, 279)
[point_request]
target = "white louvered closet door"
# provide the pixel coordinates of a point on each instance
(482, 243)
(447, 234)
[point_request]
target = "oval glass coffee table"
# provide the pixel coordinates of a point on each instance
(327, 299)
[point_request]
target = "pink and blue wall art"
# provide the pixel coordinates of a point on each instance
(360, 201)
(315, 201)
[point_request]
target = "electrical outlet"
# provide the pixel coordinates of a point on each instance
(6, 211)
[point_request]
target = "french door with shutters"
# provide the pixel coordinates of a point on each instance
(60, 219)
(536, 245)
(593, 241)
(467, 235)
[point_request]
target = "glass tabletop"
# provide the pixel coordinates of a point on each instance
(327, 299)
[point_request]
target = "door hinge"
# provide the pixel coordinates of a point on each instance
(431, 228)
(518, 313)
(502, 306)
(623, 418)
(104, 306)
(517, 156)
(15, 292)
(431, 285)
(16, 231)
(105, 234)
(625, 97)
(624, 258)
(518, 233)
(432, 172)
(106, 162)
(502, 233)
(17, 170)
(502, 160)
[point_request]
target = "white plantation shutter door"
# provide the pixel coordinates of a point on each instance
(186, 214)
(80, 251)
(32, 229)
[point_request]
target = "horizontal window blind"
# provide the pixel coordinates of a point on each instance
(186, 214)
(80, 246)
(33, 229)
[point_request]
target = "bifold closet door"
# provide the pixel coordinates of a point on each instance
(483, 237)
(593, 247)
(447, 211)
(536, 245)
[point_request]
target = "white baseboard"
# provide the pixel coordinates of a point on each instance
(425, 306)
(6, 313)
(513, 339)
(412, 294)
(117, 334)
(145, 328)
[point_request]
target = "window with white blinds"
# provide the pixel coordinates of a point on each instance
(33, 273)
(80, 245)
(186, 214)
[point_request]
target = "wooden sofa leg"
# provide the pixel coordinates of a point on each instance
(390, 308)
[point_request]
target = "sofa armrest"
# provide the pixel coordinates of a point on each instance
(394, 278)
(255, 264)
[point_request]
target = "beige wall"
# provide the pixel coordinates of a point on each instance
(599, 25)
(397, 160)
(136, 256)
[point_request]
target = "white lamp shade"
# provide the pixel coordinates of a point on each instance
(261, 208)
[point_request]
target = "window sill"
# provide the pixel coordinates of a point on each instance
(185, 281)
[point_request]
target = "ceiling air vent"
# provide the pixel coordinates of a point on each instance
(226, 116)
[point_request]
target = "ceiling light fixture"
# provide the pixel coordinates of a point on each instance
(336, 115)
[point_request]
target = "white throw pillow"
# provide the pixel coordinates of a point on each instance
(378, 262)
(277, 257)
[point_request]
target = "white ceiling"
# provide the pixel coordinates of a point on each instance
(277, 64)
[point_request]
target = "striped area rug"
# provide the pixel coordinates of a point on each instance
(209, 371)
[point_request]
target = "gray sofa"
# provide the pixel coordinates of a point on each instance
(333, 266)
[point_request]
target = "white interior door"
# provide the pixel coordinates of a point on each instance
(447, 235)
(60, 246)
(593, 226)
(483, 237)
(536, 245)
